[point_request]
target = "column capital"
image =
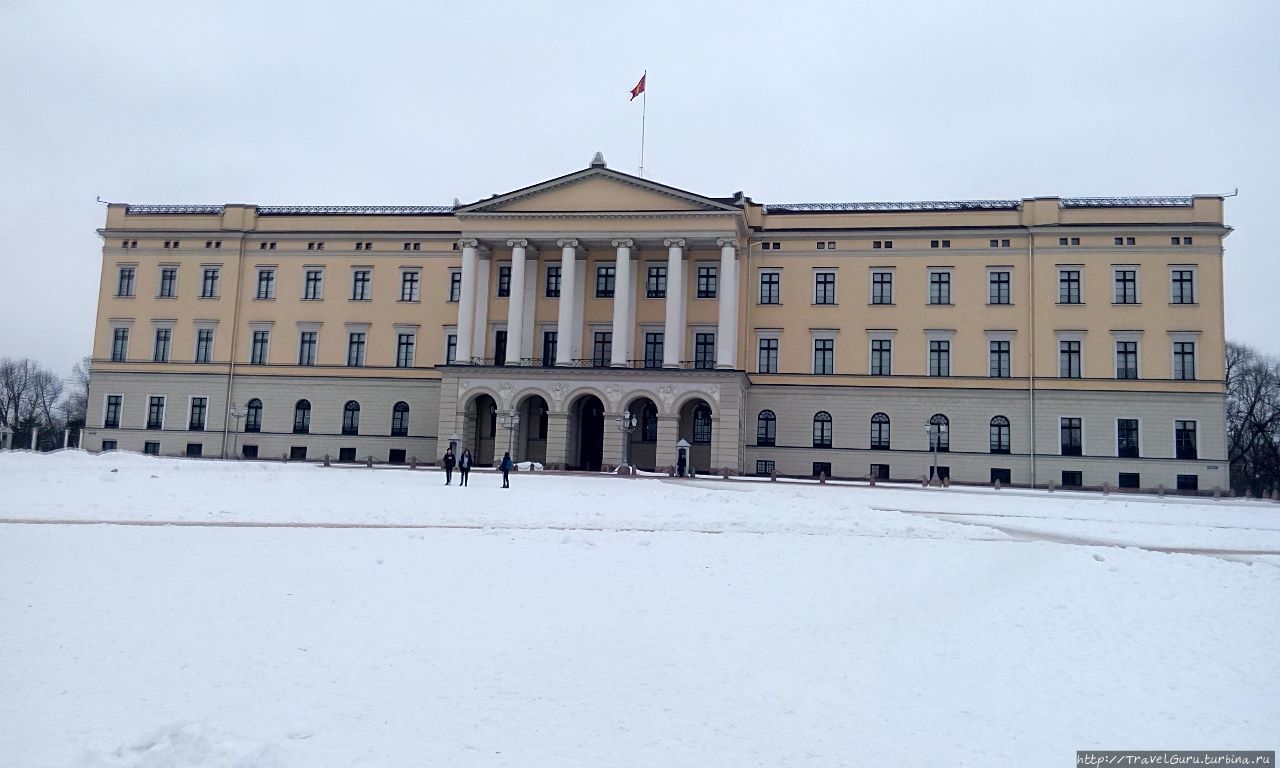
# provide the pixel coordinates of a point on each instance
(727, 242)
(624, 243)
(675, 243)
(468, 243)
(567, 243)
(518, 243)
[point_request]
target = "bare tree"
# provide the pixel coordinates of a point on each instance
(1253, 419)
(15, 388)
(74, 407)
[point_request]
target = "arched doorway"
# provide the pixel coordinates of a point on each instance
(482, 418)
(532, 438)
(587, 429)
(643, 449)
(695, 426)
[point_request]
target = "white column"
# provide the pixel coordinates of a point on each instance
(727, 333)
(673, 337)
(480, 329)
(623, 305)
(515, 304)
(565, 319)
(467, 300)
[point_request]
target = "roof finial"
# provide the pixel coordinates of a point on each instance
(598, 161)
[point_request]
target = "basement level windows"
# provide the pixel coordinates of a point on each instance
(881, 243)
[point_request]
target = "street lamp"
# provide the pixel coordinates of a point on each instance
(626, 424)
(511, 422)
(931, 430)
(237, 413)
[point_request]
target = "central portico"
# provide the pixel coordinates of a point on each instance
(567, 284)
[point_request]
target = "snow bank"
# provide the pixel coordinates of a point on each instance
(184, 745)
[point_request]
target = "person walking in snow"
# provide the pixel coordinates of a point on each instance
(506, 466)
(448, 462)
(464, 464)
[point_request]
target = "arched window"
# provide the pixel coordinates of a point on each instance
(400, 419)
(880, 432)
(351, 418)
(999, 434)
(822, 430)
(766, 428)
(302, 417)
(253, 416)
(701, 423)
(939, 433)
(649, 424)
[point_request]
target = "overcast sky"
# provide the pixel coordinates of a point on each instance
(419, 103)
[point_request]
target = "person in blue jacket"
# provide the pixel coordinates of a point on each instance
(506, 467)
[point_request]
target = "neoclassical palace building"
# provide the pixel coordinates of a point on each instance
(1068, 340)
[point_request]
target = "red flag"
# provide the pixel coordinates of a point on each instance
(639, 89)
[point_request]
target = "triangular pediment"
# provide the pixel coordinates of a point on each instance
(597, 190)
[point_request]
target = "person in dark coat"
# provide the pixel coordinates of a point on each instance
(448, 462)
(680, 465)
(506, 466)
(464, 464)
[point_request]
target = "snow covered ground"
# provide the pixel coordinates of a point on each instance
(269, 615)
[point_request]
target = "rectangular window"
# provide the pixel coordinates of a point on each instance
(249, 451)
(822, 469)
(404, 349)
(553, 281)
(998, 287)
(602, 349)
(205, 344)
(1129, 480)
(880, 471)
(1000, 360)
(504, 281)
(653, 349)
(355, 349)
(940, 358)
(881, 357)
(151, 448)
(770, 287)
(939, 287)
(499, 347)
(258, 352)
(209, 284)
(1072, 436)
(199, 408)
(1002, 475)
(1126, 359)
(111, 418)
(1184, 360)
(119, 345)
(455, 286)
(161, 352)
(605, 277)
(155, 412)
(1072, 478)
(1002, 243)
(409, 285)
(1068, 286)
(655, 285)
(549, 343)
(347, 454)
(1126, 286)
(195, 450)
(999, 435)
(307, 348)
(1069, 359)
(108, 445)
(1127, 438)
(266, 284)
(824, 288)
(124, 285)
(1184, 440)
(297, 453)
(1184, 290)
(313, 285)
(764, 467)
(881, 287)
(939, 243)
(824, 356)
(707, 282)
(1188, 482)
(360, 280)
(704, 350)
(450, 349)
(768, 362)
(168, 282)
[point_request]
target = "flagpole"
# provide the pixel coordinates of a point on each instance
(644, 106)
